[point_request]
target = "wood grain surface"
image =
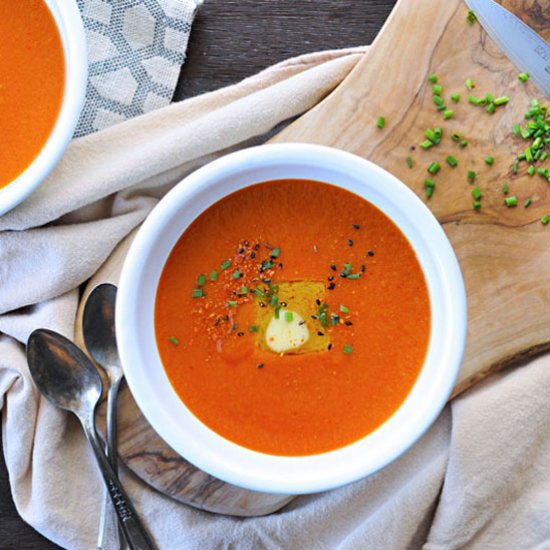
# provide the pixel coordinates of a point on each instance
(230, 40)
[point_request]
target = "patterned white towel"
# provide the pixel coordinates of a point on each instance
(136, 49)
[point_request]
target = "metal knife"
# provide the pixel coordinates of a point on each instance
(525, 48)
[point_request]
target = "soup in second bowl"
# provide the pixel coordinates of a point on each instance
(32, 79)
(292, 317)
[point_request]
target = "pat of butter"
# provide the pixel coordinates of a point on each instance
(284, 335)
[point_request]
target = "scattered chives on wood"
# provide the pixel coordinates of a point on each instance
(491, 108)
(527, 203)
(469, 84)
(437, 89)
(451, 161)
(501, 100)
(476, 100)
(471, 175)
(438, 100)
(523, 77)
(476, 193)
(455, 137)
(477, 205)
(426, 144)
(455, 97)
(505, 188)
(511, 201)
(471, 18)
(489, 160)
(380, 122)
(463, 143)
(432, 78)
(409, 162)
(448, 114)
(531, 170)
(545, 219)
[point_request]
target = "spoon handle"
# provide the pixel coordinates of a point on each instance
(133, 530)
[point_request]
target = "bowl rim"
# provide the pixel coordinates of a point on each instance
(71, 30)
(281, 474)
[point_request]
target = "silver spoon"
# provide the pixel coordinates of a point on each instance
(69, 380)
(98, 326)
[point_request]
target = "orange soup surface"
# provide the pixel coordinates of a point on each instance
(292, 317)
(32, 78)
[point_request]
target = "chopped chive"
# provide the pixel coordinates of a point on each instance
(471, 18)
(469, 84)
(380, 122)
(198, 293)
(501, 100)
(505, 188)
(543, 156)
(438, 100)
(516, 129)
(213, 275)
(429, 191)
(477, 205)
(527, 203)
(528, 154)
(258, 293)
(476, 100)
(463, 143)
(451, 161)
(545, 219)
(174, 340)
(426, 144)
(225, 265)
(253, 328)
(455, 137)
(429, 183)
(201, 280)
(232, 303)
(434, 168)
(471, 175)
(275, 252)
(523, 77)
(432, 78)
(289, 316)
(448, 114)
(531, 170)
(489, 98)
(455, 97)
(491, 108)
(511, 201)
(437, 89)
(409, 162)
(277, 312)
(344, 309)
(244, 289)
(476, 193)
(273, 301)
(354, 276)
(515, 168)
(347, 349)
(237, 274)
(489, 160)
(441, 107)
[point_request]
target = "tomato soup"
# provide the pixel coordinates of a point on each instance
(32, 78)
(292, 317)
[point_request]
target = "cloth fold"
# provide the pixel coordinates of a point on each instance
(478, 478)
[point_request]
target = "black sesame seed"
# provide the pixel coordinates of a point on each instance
(343, 274)
(262, 304)
(350, 242)
(280, 266)
(260, 365)
(332, 286)
(333, 267)
(331, 278)
(329, 347)
(241, 250)
(246, 243)
(363, 268)
(348, 323)
(318, 302)
(356, 226)
(253, 255)
(256, 247)
(240, 333)
(314, 317)
(284, 304)
(266, 281)
(302, 323)
(319, 333)
(413, 148)
(370, 253)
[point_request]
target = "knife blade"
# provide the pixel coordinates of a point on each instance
(525, 48)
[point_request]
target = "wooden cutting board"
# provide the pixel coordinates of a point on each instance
(504, 252)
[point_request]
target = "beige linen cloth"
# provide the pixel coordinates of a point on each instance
(479, 478)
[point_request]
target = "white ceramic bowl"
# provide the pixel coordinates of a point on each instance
(168, 414)
(71, 30)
